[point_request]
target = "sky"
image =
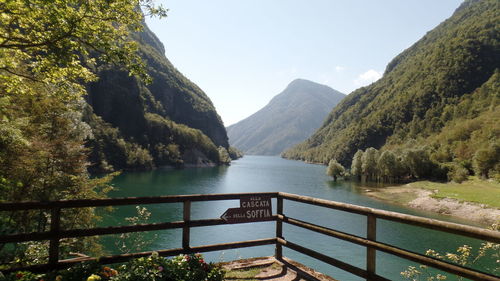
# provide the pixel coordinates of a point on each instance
(242, 53)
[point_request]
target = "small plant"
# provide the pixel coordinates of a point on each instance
(153, 268)
(194, 268)
(135, 241)
(149, 268)
(463, 256)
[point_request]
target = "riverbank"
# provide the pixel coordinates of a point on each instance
(474, 200)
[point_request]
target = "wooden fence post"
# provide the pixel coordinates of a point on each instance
(186, 228)
(371, 234)
(55, 227)
(279, 228)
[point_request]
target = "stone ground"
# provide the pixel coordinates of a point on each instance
(271, 269)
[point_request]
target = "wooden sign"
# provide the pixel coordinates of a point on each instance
(252, 208)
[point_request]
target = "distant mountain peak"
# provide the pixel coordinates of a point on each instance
(299, 82)
(289, 118)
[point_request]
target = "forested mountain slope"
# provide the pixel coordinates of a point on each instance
(288, 119)
(137, 126)
(442, 92)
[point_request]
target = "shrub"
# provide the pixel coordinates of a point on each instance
(153, 268)
(458, 174)
(335, 169)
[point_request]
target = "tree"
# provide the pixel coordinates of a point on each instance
(387, 165)
(48, 51)
(457, 173)
(369, 163)
(335, 169)
(418, 162)
(57, 43)
(356, 168)
(485, 160)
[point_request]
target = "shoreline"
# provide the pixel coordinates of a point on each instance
(422, 199)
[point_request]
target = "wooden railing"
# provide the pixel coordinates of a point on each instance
(370, 242)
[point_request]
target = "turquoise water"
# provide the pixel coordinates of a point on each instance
(262, 174)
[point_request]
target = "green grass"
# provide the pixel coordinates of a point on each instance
(247, 274)
(473, 190)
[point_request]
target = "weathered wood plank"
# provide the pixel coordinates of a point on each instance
(55, 228)
(279, 229)
(186, 230)
(371, 234)
(39, 236)
(80, 203)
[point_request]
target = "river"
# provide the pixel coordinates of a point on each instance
(263, 174)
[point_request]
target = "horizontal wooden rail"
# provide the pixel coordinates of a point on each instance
(73, 233)
(82, 203)
(436, 263)
(470, 231)
(370, 242)
(329, 260)
(164, 253)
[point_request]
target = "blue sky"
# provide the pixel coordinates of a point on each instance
(244, 52)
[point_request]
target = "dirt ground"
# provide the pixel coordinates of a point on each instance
(270, 269)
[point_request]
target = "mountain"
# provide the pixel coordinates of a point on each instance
(138, 126)
(442, 93)
(288, 119)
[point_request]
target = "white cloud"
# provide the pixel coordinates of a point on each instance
(339, 68)
(368, 77)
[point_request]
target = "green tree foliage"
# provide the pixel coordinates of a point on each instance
(47, 51)
(418, 162)
(356, 168)
(458, 173)
(335, 169)
(400, 164)
(387, 165)
(369, 161)
(50, 42)
(110, 151)
(442, 92)
(224, 157)
(486, 160)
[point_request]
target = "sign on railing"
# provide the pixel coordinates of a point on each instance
(252, 209)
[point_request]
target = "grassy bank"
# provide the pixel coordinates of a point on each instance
(474, 200)
(474, 190)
